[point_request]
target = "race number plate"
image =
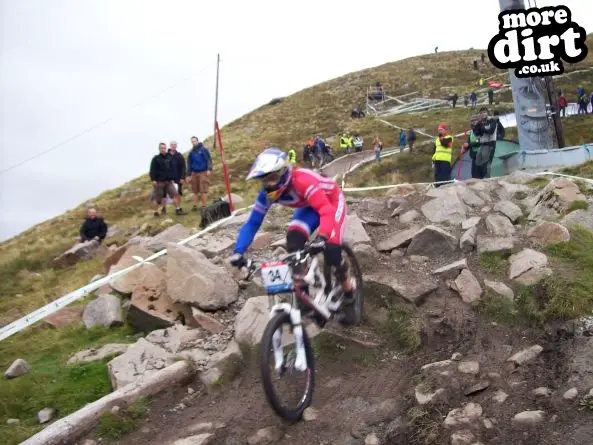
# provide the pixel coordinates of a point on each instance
(277, 277)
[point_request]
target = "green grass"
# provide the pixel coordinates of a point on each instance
(498, 308)
(493, 262)
(113, 426)
(584, 170)
(538, 183)
(51, 383)
(568, 293)
(578, 205)
(401, 329)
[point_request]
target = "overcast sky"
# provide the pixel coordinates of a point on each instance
(68, 65)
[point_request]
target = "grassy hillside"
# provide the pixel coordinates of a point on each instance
(27, 280)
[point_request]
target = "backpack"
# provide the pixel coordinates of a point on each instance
(218, 210)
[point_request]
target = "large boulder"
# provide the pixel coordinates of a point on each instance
(172, 234)
(432, 241)
(212, 245)
(140, 359)
(468, 286)
(80, 252)
(354, 231)
(192, 278)
(509, 209)
(64, 317)
(408, 287)
(251, 320)
(98, 353)
(398, 239)
(128, 282)
(499, 225)
(547, 233)
(556, 198)
(446, 209)
(583, 218)
(528, 266)
(494, 244)
(150, 305)
(105, 310)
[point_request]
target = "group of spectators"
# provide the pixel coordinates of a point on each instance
(169, 172)
(480, 143)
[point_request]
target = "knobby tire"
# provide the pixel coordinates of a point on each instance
(353, 312)
(266, 353)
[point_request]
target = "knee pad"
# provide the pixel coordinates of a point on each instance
(295, 240)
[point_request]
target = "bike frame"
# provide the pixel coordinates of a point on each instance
(321, 302)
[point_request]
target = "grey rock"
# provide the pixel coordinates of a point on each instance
(354, 232)
(415, 291)
(509, 209)
(265, 436)
(18, 368)
(46, 415)
(100, 353)
(251, 320)
(500, 396)
(468, 286)
(371, 439)
(399, 239)
(105, 311)
(451, 271)
(571, 394)
(424, 397)
(499, 225)
(470, 222)
(524, 261)
(309, 414)
(437, 365)
(542, 391)
(467, 242)
(528, 418)
(212, 245)
(172, 234)
(463, 437)
(80, 252)
(463, 416)
(547, 233)
(477, 388)
(199, 439)
(494, 244)
(409, 216)
(432, 241)
(580, 217)
(469, 367)
(12, 421)
(500, 289)
(446, 209)
(526, 355)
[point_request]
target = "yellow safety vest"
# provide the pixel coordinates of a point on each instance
(442, 153)
(292, 156)
(343, 142)
(349, 140)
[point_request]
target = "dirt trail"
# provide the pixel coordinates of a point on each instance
(371, 389)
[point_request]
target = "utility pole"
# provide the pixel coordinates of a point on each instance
(216, 100)
(553, 96)
(530, 103)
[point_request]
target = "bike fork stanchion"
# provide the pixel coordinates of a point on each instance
(295, 320)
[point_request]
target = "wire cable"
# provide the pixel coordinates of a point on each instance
(100, 124)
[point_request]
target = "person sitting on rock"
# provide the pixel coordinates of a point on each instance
(93, 228)
(320, 205)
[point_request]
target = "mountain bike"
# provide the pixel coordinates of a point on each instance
(314, 295)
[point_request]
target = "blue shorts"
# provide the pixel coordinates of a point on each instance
(306, 221)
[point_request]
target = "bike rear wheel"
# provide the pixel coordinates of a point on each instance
(352, 313)
(269, 375)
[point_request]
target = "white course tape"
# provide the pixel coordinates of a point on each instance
(381, 187)
(56, 305)
(578, 178)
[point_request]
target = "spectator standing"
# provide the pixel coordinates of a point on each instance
(490, 96)
(93, 228)
(411, 138)
(454, 99)
(377, 146)
(485, 130)
(178, 166)
(473, 98)
(473, 146)
(161, 175)
(402, 139)
(199, 168)
(358, 142)
(442, 155)
(562, 104)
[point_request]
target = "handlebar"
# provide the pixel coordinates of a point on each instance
(297, 257)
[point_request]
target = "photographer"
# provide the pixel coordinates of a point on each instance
(485, 131)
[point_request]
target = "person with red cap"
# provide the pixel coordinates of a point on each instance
(443, 154)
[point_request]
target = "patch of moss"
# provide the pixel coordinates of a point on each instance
(113, 426)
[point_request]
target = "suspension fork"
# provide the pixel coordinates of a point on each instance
(295, 319)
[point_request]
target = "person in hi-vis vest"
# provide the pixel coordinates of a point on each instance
(443, 153)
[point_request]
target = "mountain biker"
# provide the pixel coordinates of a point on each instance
(319, 203)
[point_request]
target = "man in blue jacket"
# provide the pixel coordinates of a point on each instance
(199, 168)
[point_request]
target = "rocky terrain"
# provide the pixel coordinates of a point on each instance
(427, 366)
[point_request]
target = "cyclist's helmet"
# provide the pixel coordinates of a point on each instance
(272, 167)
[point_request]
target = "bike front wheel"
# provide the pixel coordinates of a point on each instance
(271, 377)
